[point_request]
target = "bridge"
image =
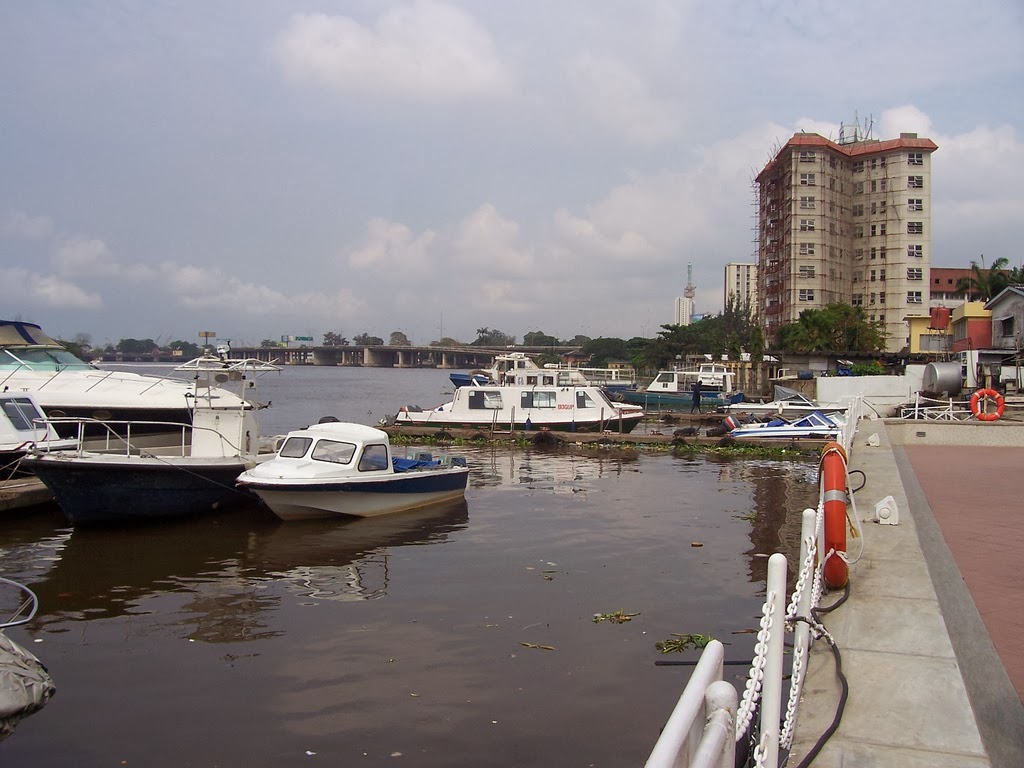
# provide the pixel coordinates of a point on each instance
(385, 356)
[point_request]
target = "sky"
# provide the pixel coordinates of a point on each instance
(270, 167)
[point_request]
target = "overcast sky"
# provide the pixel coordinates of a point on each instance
(272, 167)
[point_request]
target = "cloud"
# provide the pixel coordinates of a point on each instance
(90, 257)
(19, 286)
(424, 51)
(619, 99)
(391, 247)
(29, 227)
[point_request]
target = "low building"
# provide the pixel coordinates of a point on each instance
(972, 326)
(1007, 312)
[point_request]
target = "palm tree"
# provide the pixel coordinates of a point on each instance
(983, 284)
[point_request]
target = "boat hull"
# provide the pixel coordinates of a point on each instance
(444, 421)
(106, 490)
(298, 500)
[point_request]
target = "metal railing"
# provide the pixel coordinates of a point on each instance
(691, 737)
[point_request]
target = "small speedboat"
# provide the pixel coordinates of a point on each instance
(23, 429)
(814, 425)
(339, 468)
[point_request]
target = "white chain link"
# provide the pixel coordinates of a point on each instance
(752, 692)
(760, 750)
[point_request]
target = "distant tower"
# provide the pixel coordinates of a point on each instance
(683, 314)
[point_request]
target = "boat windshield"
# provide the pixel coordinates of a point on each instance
(41, 359)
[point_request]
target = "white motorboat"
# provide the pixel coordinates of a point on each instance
(524, 407)
(518, 368)
(64, 385)
(117, 480)
(339, 468)
(787, 403)
(814, 425)
(23, 428)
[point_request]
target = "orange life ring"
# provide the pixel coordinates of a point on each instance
(832, 479)
(987, 394)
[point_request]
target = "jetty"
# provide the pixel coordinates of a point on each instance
(916, 660)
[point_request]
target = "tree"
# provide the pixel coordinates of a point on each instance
(983, 283)
(447, 341)
(366, 340)
(576, 341)
(136, 346)
(488, 338)
(333, 339)
(399, 339)
(602, 350)
(188, 349)
(834, 329)
(539, 339)
(267, 343)
(75, 348)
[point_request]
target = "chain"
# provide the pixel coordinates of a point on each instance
(745, 712)
(759, 751)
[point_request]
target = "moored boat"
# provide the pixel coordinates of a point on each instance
(121, 481)
(515, 407)
(66, 386)
(673, 389)
(342, 469)
(814, 425)
(518, 368)
(23, 428)
(787, 403)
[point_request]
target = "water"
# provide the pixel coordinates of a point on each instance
(240, 641)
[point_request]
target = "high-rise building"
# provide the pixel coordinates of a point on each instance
(741, 285)
(848, 223)
(683, 309)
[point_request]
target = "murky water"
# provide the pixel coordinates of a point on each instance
(464, 636)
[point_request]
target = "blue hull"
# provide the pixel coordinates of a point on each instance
(101, 494)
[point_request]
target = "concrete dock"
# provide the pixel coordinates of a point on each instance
(932, 634)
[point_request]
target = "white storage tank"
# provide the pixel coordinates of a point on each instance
(942, 379)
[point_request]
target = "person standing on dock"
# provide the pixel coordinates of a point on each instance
(695, 390)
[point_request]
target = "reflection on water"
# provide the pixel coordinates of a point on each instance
(357, 640)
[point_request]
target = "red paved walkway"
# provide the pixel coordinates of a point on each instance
(977, 497)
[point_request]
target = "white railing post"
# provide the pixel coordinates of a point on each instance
(672, 748)
(718, 746)
(771, 693)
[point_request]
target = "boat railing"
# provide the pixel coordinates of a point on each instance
(132, 438)
(26, 608)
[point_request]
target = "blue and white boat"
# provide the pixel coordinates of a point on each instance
(343, 469)
(814, 425)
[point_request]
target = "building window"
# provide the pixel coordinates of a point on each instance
(857, 300)
(881, 253)
(915, 158)
(915, 251)
(881, 298)
(915, 182)
(873, 274)
(858, 210)
(858, 254)
(806, 249)
(915, 204)
(915, 227)
(858, 166)
(915, 273)
(806, 179)
(881, 274)
(807, 270)
(806, 225)
(858, 188)
(881, 182)
(807, 157)
(874, 253)
(871, 300)
(913, 297)
(874, 185)
(807, 203)
(806, 294)
(1006, 326)
(858, 230)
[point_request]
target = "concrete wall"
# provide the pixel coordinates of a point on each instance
(883, 393)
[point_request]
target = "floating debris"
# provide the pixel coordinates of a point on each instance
(535, 645)
(618, 617)
(679, 642)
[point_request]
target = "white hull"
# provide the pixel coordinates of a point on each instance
(297, 504)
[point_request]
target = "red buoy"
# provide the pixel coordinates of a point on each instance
(832, 481)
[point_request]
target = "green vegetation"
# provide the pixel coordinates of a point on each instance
(838, 328)
(983, 284)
